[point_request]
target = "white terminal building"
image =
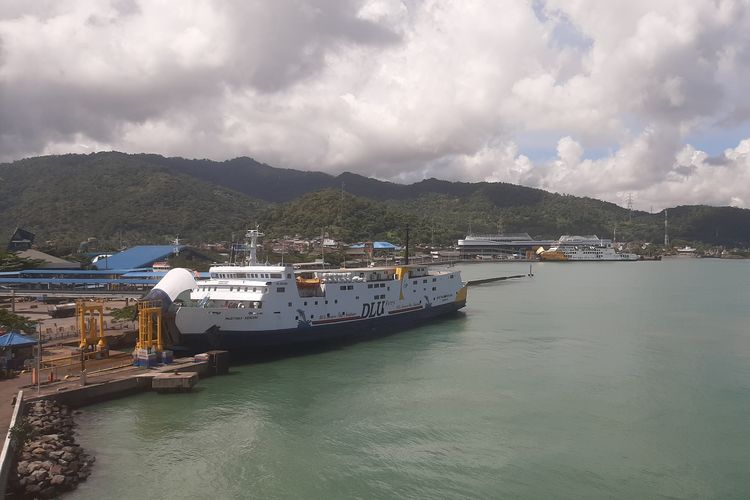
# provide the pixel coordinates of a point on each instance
(500, 246)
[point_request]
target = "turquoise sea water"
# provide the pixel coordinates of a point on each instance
(621, 380)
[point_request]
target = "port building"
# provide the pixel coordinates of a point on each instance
(20, 245)
(130, 271)
(499, 246)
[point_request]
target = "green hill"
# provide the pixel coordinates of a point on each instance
(144, 198)
(115, 197)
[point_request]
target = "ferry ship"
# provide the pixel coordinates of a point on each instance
(256, 306)
(584, 248)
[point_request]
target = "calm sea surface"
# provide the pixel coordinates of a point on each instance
(621, 380)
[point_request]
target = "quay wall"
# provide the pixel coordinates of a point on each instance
(8, 455)
(98, 392)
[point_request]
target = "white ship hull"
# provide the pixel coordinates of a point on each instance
(258, 306)
(585, 249)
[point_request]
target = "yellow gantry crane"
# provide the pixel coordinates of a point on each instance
(90, 320)
(150, 326)
(152, 331)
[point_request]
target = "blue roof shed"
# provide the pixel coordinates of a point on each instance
(137, 257)
(16, 339)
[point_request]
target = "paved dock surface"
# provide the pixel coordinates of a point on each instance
(59, 339)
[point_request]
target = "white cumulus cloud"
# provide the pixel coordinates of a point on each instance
(590, 98)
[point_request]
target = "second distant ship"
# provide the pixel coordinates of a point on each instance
(584, 248)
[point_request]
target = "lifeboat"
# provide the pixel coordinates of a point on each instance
(307, 282)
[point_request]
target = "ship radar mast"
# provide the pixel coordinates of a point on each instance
(252, 237)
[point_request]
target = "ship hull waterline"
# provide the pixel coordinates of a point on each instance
(275, 340)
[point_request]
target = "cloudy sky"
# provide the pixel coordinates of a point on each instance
(587, 97)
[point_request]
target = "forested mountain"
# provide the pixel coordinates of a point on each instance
(111, 197)
(129, 199)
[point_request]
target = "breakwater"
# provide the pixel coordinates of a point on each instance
(50, 461)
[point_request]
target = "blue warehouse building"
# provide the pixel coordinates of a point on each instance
(127, 271)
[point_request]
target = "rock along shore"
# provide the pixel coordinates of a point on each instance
(51, 462)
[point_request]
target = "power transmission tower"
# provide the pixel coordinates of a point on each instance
(630, 207)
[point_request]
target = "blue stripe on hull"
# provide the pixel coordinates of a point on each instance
(269, 339)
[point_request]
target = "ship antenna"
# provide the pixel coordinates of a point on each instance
(252, 235)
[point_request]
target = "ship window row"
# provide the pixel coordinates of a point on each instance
(376, 285)
(231, 289)
(247, 275)
(378, 297)
(346, 287)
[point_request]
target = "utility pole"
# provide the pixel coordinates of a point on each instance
(406, 250)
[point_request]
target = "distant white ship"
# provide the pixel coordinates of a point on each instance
(685, 251)
(584, 248)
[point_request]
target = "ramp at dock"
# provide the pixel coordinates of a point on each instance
(492, 280)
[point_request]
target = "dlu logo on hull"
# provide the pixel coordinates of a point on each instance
(373, 309)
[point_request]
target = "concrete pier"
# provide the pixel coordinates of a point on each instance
(174, 382)
(126, 381)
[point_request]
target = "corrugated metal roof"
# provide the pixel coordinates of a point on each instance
(157, 274)
(48, 261)
(76, 281)
(76, 272)
(16, 339)
(140, 256)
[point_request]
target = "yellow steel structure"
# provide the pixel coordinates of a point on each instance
(150, 323)
(90, 321)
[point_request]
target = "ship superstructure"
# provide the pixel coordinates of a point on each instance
(263, 305)
(584, 248)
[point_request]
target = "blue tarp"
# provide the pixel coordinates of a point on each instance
(136, 257)
(16, 339)
(377, 245)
